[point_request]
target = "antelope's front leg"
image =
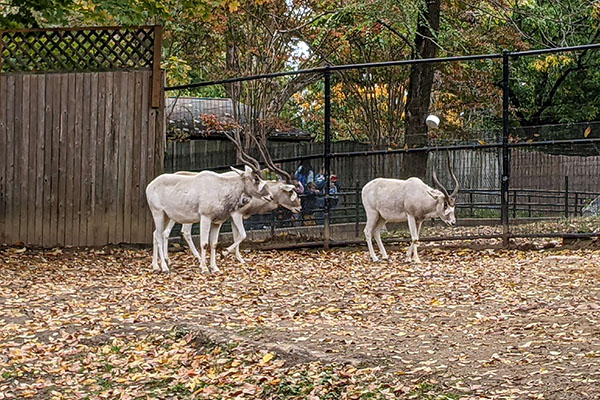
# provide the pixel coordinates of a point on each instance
(414, 236)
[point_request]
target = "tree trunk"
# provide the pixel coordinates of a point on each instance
(419, 89)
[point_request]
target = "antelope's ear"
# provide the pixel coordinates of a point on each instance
(288, 188)
(239, 172)
(248, 170)
(244, 200)
(294, 196)
(261, 185)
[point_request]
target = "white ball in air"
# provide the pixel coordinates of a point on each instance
(432, 121)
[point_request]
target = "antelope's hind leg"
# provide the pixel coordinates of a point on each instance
(214, 238)
(205, 225)
(378, 229)
(370, 226)
(186, 231)
(239, 234)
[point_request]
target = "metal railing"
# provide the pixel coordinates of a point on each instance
(570, 201)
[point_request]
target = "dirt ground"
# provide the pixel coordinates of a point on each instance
(471, 323)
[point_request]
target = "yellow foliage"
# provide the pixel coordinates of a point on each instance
(540, 65)
(234, 6)
(452, 118)
(596, 10)
(376, 92)
(552, 61)
(338, 92)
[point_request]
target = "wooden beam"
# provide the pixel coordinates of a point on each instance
(157, 81)
(79, 28)
(1, 52)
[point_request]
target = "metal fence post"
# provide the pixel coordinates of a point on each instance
(326, 155)
(356, 210)
(566, 196)
(504, 186)
(273, 223)
(471, 202)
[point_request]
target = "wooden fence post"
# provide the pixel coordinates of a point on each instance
(156, 59)
(1, 51)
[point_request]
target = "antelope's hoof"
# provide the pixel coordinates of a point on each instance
(156, 268)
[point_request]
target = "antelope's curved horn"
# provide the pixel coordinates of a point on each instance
(246, 159)
(269, 161)
(457, 185)
(437, 182)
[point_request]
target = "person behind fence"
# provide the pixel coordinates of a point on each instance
(310, 201)
(321, 188)
(334, 189)
(305, 174)
(320, 180)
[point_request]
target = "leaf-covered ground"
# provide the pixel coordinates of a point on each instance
(470, 324)
(433, 229)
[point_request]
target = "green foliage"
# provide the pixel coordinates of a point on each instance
(44, 13)
(33, 13)
(556, 88)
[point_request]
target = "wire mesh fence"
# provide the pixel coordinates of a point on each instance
(525, 151)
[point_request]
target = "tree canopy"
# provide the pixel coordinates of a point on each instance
(215, 39)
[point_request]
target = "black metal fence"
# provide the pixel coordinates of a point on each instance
(519, 180)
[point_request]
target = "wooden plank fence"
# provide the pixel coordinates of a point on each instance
(537, 170)
(76, 153)
(475, 169)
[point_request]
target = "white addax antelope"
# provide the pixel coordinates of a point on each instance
(411, 200)
(284, 195)
(207, 197)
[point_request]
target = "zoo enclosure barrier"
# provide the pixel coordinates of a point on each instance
(82, 133)
(553, 158)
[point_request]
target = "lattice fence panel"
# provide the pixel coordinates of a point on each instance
(93, 49)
